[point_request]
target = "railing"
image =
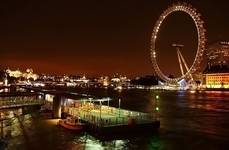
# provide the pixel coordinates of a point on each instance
(12, 102)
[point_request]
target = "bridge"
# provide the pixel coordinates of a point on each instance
(19, 102)
(59, 96)
(19, 99)
(14, 98)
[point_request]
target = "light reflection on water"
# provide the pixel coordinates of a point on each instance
(188, 121)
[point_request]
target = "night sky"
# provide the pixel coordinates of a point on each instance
(101, 37)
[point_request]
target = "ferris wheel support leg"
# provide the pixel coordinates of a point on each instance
(180, 63)
(185, 64)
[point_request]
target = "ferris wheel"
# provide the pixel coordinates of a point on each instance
(199, 23)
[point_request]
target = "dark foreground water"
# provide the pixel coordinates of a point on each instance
(189, 121)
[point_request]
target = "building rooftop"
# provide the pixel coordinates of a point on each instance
(217, 69)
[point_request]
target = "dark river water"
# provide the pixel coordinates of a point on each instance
(192, 121)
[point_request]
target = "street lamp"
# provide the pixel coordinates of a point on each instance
(100, 103)
(119, 103)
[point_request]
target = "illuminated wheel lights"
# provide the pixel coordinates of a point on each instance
(199, 23)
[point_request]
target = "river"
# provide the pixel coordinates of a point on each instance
(189, 120)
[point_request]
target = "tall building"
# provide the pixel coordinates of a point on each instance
(217, 70)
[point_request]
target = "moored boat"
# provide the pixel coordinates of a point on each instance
(72, 123)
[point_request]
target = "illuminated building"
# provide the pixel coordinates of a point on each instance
(115, 79)
(217, 80)
(120, 81)
(30, 75)
(217, 71)
(83, 80)
(16, 73)
(27, 75)
(104, 80)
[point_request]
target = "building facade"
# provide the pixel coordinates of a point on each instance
(217, 70)
(217, 80)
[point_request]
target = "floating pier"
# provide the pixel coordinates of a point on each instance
(102, 119)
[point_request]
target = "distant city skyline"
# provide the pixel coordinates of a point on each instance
(101, 37)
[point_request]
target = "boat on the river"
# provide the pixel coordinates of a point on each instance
(72, 123)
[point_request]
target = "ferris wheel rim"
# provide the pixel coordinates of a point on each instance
(183, 7)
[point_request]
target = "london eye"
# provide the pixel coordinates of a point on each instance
(199, 24)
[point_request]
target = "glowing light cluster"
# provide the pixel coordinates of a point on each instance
(184, 7)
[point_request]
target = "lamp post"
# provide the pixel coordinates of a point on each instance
(100, 103)
(119, 103)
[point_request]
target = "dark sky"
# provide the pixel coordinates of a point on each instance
(96, 37)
